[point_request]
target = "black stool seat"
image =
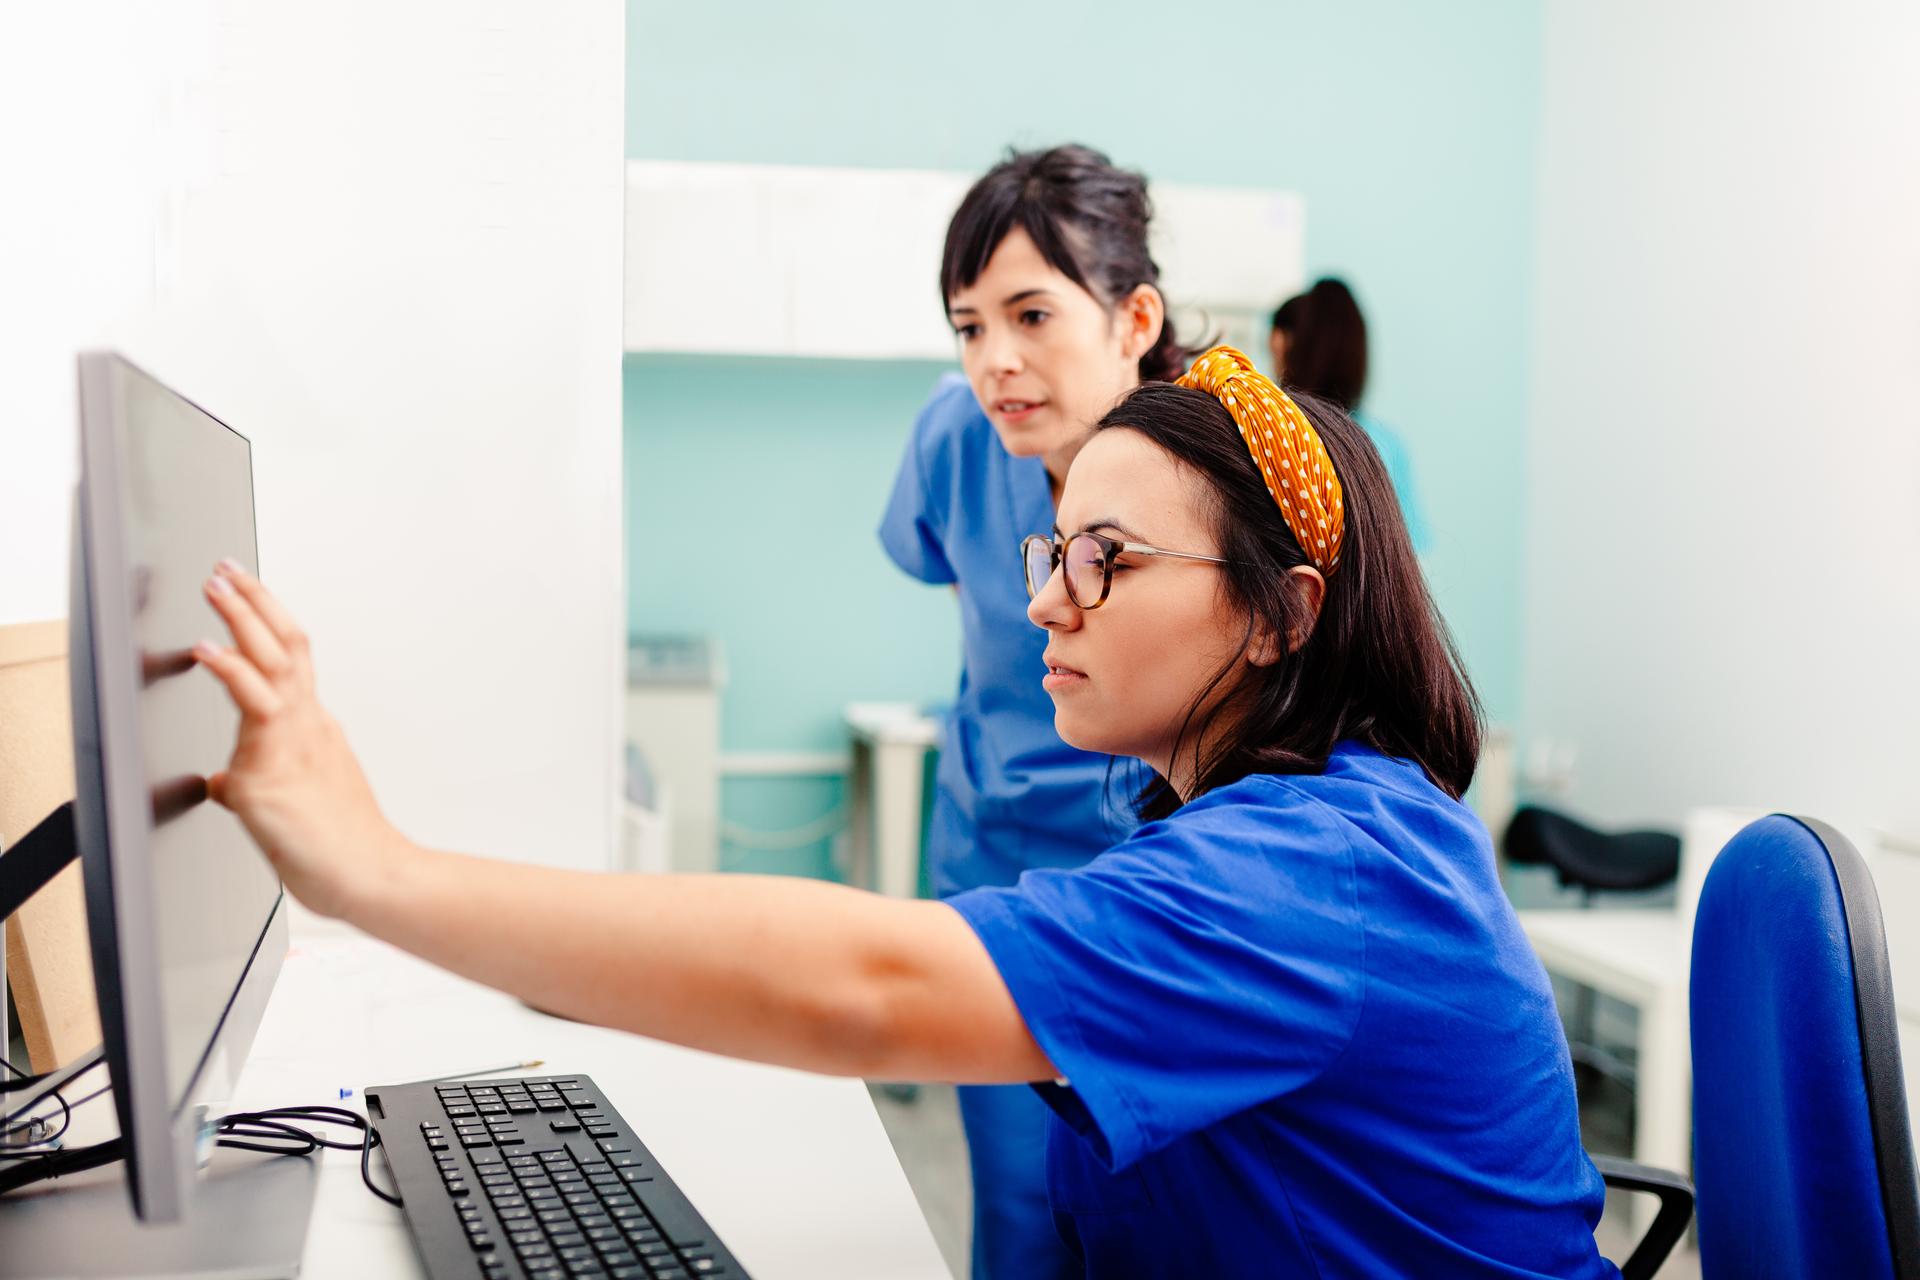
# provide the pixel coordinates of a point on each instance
(1588, 859)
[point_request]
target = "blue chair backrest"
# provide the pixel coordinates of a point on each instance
(1803, 1158)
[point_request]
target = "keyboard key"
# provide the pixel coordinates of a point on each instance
(565, 1126)
(677, 1221)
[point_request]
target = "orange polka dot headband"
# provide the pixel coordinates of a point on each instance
(1285, 447)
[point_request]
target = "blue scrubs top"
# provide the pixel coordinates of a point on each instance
(1009, 795)
(1393, 452)
(1300, 1033)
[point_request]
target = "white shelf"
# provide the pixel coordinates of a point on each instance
(780, 260)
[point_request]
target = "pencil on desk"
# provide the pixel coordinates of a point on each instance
(486, 1071)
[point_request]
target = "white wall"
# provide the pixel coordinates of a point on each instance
(1723, 586)
(384, 242)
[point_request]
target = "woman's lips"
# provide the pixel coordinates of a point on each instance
(1012, 411)
(1059, 678)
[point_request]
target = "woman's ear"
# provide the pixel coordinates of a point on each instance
(1312, 586)
(1140, 317)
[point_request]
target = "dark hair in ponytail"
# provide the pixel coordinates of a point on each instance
(1326, 343)
(1377, 666)
(1087, 218)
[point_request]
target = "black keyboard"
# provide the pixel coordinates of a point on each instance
(536, 1179)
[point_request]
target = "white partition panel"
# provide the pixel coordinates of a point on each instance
(384, 243)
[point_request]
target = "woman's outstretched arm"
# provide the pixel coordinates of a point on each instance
(796, 972)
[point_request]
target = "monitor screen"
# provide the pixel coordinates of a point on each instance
(179, 900)
(189, 494)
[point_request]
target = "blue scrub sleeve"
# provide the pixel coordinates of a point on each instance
(1201, 968)
(914, 529)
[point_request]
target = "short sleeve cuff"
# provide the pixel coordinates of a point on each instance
(907, 547)
(1091, 1103)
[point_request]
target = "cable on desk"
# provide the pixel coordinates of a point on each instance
(366, 1175)
(20, 1150)
(22, 1120)
(271, 1132)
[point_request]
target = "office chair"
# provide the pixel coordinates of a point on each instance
(1587, 859)
(1803, 1155)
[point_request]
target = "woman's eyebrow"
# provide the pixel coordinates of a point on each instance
(1110, 523)
(1013, 299)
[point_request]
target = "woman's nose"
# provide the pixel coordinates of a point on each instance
(1002, 352)
(1051, 608)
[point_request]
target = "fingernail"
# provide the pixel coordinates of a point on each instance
(205, 649)
(230, 565)
(219, 585)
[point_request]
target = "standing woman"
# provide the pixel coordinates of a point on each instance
(1319, 345)
(1056, 304)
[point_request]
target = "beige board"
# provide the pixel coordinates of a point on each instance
(48, 965)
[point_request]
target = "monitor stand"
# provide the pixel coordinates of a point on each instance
(246, 1220)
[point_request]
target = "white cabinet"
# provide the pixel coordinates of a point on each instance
(673, 716)
(782, 260)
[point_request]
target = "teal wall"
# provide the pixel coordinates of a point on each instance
(1408, 128)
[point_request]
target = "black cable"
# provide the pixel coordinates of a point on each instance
(66, 1119)
(54, 1164)
(271, 1134)
(366, 1175)
(21, 1121)
(268, 1132)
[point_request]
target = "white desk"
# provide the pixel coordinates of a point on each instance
(793, 1171)
(1641, 957)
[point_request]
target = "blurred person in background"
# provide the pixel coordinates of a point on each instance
(1319, 345)
(1056, 306)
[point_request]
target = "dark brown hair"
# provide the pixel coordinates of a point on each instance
(1326, 343)
(1378, 666)
(1087, 218)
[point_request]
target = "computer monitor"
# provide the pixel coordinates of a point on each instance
(188, 923)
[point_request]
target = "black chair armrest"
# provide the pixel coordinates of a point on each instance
(1669, 1224)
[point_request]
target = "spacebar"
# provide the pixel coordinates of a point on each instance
(676, 1219)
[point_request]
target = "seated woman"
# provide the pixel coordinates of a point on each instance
(1290, 1026)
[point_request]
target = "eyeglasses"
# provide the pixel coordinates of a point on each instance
(1089, 561)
